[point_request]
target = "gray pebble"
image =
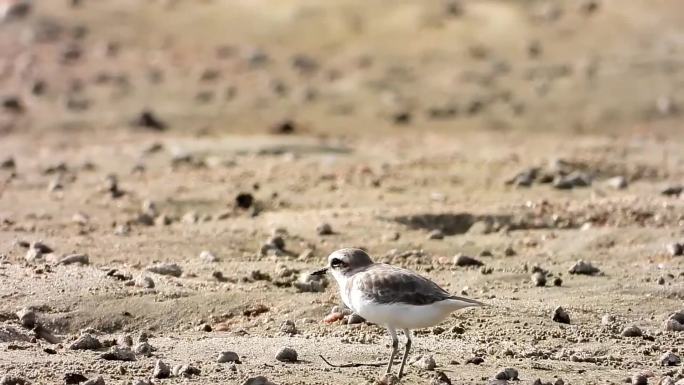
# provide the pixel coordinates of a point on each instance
(13, 380)
(161, 370)
(324, 229)
(86, 342)
(165, 268)
(675, 249)
(145, 282)
(228, 356)
(618, 182)
(631, 331)
(670, 359)
(425, 362)
(311, 283)
(582, 267)
(639, 379)
(27, 317)
(675, 322)
(116, 353)
(607, 319)
(143, 349)
(560, 315)
(208, 257)
(464, 260)
(286, 355)
(539, 279)
(74, 258)
(125, 340)
(436, 234)
(288, 327)
(258, 380)
(185, 371)
(95, 381)
(355, 319)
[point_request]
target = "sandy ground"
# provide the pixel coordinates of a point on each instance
(390, 143)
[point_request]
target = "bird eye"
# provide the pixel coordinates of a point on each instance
(336, 262)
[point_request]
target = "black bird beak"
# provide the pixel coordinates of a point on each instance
(320, 272)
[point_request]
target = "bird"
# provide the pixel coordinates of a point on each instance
(391, 296)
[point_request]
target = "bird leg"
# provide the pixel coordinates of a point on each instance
(395, 347)
(406, 351)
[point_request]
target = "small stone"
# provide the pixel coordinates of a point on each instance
(477, 360)
(388, 379)
(228, 356)
(165, 268)
(86, 342)
(324, 229)
(607, 319)
(670, 359)
(244, 200)
(116, 353)
(509, 252)
(560, 315)
(147, 119)
(355, 319)
(27, 317)
(161, 370)
(71, 378)
(539, 279)
(675, 249)
(464, 260)
(288, 327)
(425, 362)
(439, 378)
(524, 178)
(143, 349)
(436, 234)
(311, 283)
(125, 340)
(675, 322)
(508, 374)
(631, 331)
(81, 259)
(672, 191)
(95, 381)
(661, 280)
(204, 327)
(284, 127)
(558, 281)
(286, 355)
(582, 267)
(618, 182)
(639, 379)
(145, 282)
(480, 228)
(191, 217)
(276, 242)
(208, 257)
(8, 163)
(13, 380)
(258, 380)
(185, 371)
(141, 381)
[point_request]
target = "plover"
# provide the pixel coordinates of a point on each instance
(391, 296)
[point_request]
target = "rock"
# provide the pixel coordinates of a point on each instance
(631, 331)
(13, 380)
(191, 217)
(507, 374)
(661, 280)
(86, 342)
(607, 319)
(672, 191)
(284, 127)
(288, 327)
(560, 315)
(355, 319)
(147, 119)
(141, 381)
(388, 379)
(125, 340)
(675, 249)
(27, 317)
(324, 229)
(436, 234)
(670, 359)
(276, 242)
(558, 281)
(258, 380)
(185, 371)
(582, 267)
(286, 355)
(425, 362)
(311, 283)
(464, 260)
(161, 370)
(439, 378)
(208, 257)
(539, 279)
(71, 378)
(8, 163)
(95, 381)
(480, 228)
(401, 117)
(228, 356)
(524, 178)
(244, 200)
(145, 282)
(81, 259)
(204, 327)
(477, 360)
(639, 379)
(143, 349)
(116, 353)
(618, 183)
(165, 268)
(675, 322)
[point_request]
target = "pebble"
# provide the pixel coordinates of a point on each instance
(560, 315)
(208, 257)
(148, 119)
(631, 331)
(672, 191)
(95, 381)
(228, 356)
(425, 362)
(436, 234)
(539, 279)
(480, 228)
(258, 380)
(388, 379)
(582, 267)
(27, 317)
(607, 319)
(355, 319)
(670, 359)
(524, 178)
(125, 340)
(143, 349)
(145, 282)
(675, 322)
(8, 163)
(13, 380)
(244, 200)
(71, 378)
(116, 353)
(639, 379)
(477, 360)
(311, 283)
(507, 374)
(324, 229)
(675, 249)
(86, 342)
(165, 268)
(618, 182)
(81, 259)
(288, 327)
(161, 370)
(141, 381)
(185, 371)
(439, 378)
(464, 260)
(286, 355)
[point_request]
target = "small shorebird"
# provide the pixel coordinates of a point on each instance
(391, 296)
